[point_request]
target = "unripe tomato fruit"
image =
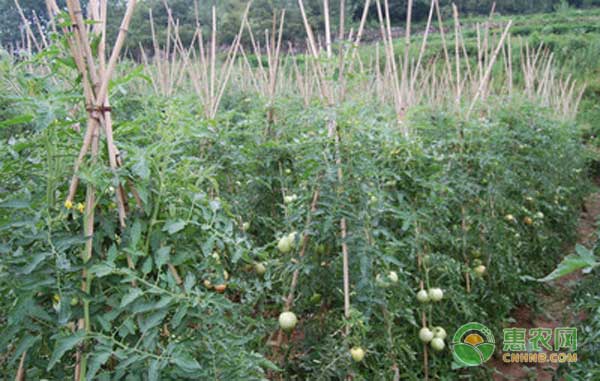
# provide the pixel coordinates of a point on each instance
(285, 244)
(381, 282)
(436, 294)
(437, 344)
(315, 298)
(439, 332)
(425, 335)
(260, 268)
(480, 270)
(357, 353)
(320, 249)
(393, 277)
(292, 238)
(287, 320)
(422, 296)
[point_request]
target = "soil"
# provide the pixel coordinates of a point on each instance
(555, 302)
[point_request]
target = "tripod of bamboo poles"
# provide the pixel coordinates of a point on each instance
(167, 61)
(96, 73)
(208, 78)
(267, 80)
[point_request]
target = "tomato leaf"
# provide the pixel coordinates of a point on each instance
(173, 226)
(63, 345)
(132, 295)
(186, 362)
(583, 258)
(98, 359)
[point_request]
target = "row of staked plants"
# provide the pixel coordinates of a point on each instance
(501, 189)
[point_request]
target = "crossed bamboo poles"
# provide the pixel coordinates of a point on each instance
(96, 74)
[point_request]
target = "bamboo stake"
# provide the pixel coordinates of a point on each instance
(327, 28)
(20, 376)
(422, 50)
(405, 65)
(489, 69)
(443, 36)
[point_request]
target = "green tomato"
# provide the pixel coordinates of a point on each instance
(393, 277)
(260, 268)
(480, 270)
(439, 332)
(285, 244)
(287, 321)
(292, 237)
(381, 282)
(290, 199)
(425, 335)
(315, 298)
(437, 344)
(422, 296)
(357, 353)
(436, 294)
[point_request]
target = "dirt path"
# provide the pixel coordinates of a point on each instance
(555, 311)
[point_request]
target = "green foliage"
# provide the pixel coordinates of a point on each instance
(200, 180)
(583, 259)
(587, 303)
(210, 204)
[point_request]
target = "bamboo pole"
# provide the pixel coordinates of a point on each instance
(486, 76)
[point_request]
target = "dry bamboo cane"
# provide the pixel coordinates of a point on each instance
(443, 36)
(20, 376)
(422, 50)
(327, 28)
(405, 65)
(38, 26)
(421, 266)
(457, 56)
(486, 76)
(99, 83)
(360, 31)
(392, 72)
(341, 55)
(425, 348)
(28, 30)
(469, 75)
